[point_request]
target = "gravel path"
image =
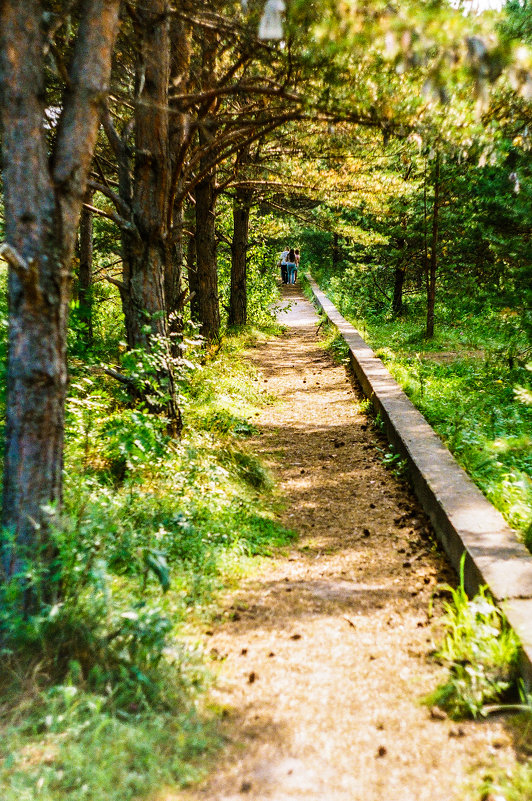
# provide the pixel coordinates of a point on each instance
(324, 652)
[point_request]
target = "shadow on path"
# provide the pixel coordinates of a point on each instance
(323, 653)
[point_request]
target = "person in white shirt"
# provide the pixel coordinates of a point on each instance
(284, 269)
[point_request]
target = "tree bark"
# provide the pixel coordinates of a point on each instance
(208, 305)
(192, 275)
(149, 247)
(180, 44)
(433, 264)
(205, 194)
(85, 275)
(151, 176)
(43, 200)
(399, 279)
(239, 248)
(173, 278)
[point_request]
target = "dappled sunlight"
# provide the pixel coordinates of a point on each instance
(305, 647)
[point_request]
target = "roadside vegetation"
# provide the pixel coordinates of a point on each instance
(471, 382)
(103, 691)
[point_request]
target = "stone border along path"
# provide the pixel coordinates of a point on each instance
(462, 517)
(323, 651)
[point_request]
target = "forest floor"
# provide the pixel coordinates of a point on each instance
(324, 654)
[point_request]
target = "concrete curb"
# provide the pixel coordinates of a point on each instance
(462, 517)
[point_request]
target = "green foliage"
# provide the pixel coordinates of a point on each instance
(393, 461)
(152, 529)
(335, 343)
(470, 382)
(69, 746)
(478, 649)
(514, 784)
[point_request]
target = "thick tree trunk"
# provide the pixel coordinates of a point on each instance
(192, 275)
(239, 247)
(208, 305)
(173, 278)
(85, 275)
(148, 252)
(180, 44)
(148, 249)
(433, 264)
(43, 200)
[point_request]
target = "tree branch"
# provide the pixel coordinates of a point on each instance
(119, 376)
(14, 259)
(126, 225)
(120, 204)
(119, 284)
(89, 75)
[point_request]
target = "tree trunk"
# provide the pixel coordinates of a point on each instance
(239, 247)
(180, 43)
(149, 250)
(85, 276)
(335, 249)
(173, 278)
(433, 264)
(192, 275)
(206, 268)
(399, 279)
(205, 194)
(43, 200)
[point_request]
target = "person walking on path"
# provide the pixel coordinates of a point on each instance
(284, 269)
(291, 265)
(296, 251)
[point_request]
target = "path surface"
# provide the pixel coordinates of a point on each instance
(325, 659)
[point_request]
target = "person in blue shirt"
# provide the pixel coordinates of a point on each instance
(291, 265)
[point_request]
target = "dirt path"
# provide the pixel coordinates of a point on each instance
(325, 659)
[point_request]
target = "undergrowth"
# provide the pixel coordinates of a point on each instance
(513, 784)
(479, 651)
(102, 692)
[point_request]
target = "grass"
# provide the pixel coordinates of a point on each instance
(471, 403)
(69, 745)
(471, 383)
(103, 694)
(514, 784)
(479, 650)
